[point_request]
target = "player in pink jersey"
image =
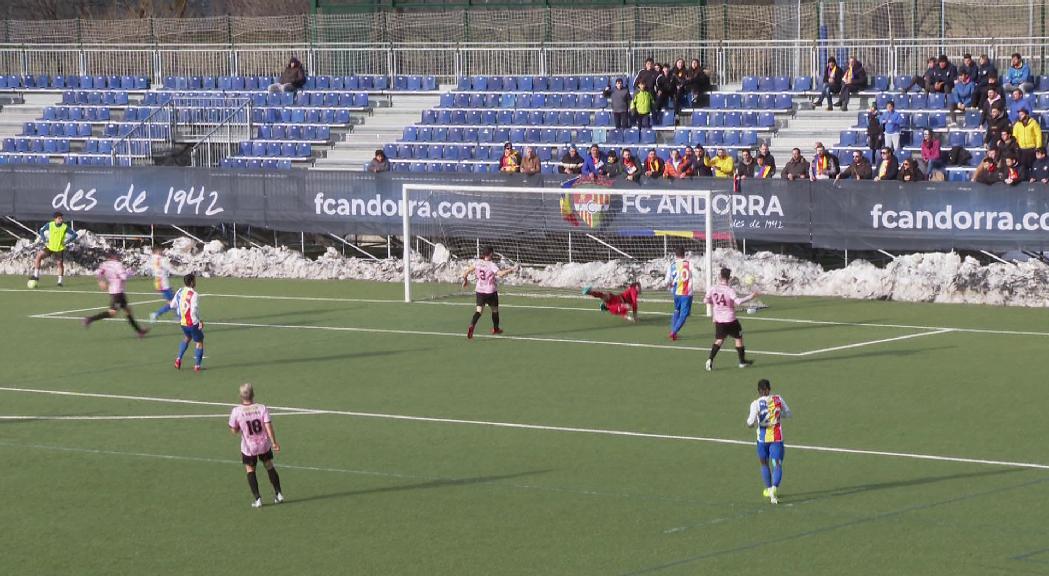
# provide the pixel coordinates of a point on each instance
(724, 300)
(487, 291)
(252, 423)
(112, 277)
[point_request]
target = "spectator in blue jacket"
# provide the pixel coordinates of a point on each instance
(594, 165)
(1018, 102)
(892, 123)
(962, 95)
(1019, 75)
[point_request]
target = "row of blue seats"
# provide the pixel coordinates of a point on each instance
(94, 98)
(80, 160)
(297, 133)
(497, 135)
(525, 118)
(733, 119)
(36, 145)
(301, 99)
(776, 84)
(300, 116)
(282, 149)
(84, 129)
(269, 164)
(43, 81)
(545, 153)
(488, 167)
(534, 83)
(23, 159)
(845, 155)
(77, 113)
(462, 100)
(750, 101)
(881, 83)
(226, 83)
(685, 137)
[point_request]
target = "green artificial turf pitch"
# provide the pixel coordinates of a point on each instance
(590, 446)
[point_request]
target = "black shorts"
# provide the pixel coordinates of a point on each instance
(254, 460)
(60, 255)
(723, 329)
(118, 301)
(491, 300)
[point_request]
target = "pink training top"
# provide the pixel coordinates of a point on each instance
(487, 273)
(113, 272)
(723, 298)
(249, 420)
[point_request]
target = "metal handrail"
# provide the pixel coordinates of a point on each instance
(204, 146)
(147, 123)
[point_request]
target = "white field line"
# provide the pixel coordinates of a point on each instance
(138, 417)
(546, 428)
(759, 318)
(872, 342)
(457, 335)
(49, 314)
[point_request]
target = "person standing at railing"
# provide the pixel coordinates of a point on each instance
(291, 79)
(379, 163)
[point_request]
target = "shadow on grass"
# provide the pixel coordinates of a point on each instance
(814, 495)
(313, 359)
(831, 357)
(428, 485)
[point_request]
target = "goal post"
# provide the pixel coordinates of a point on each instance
(562, 239)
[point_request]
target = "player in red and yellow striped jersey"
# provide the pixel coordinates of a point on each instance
(767, 413)
(185, 305)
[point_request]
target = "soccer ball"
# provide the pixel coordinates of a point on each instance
(31, 284)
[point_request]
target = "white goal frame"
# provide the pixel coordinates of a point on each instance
(406, 223)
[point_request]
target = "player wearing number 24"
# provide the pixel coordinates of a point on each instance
(251, 421)
(487, 291)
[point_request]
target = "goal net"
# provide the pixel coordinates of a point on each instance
(559, 240)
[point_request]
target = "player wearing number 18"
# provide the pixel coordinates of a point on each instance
(487, 291)
(723, 299)
(252, 423)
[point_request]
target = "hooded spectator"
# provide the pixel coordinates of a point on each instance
(530, 164)
(723, 165)
(859, 169)
(909, 172)
(888, 167)
(1018, 76)
(746, 166)
(853, 80)
(291, 79)
(797, 168)
(379, 163)
(824, 165)
(594, 165)
(1039, 171)
(571, 162)
(620, 102)
(653, 167)
(832, 75)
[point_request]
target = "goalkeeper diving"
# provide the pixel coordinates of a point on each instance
(623, 304)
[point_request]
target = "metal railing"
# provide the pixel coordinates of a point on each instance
(139, 141)
(222, 140)
(729, 61)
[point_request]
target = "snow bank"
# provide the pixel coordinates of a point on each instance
(930, 277)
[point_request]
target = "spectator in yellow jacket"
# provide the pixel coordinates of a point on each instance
(723, 165)
(1028, 135)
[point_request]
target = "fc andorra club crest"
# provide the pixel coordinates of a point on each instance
(586, 207)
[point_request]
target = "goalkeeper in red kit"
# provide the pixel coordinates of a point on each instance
(623, 304)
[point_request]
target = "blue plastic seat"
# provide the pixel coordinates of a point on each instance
(750, 84)
(880, 83)
(749, 119)
(548, 136)
(936, 101)
(974, 140)
(718, 101)
(556, 83)
(956, 139)
(766, 120)
(767, 84)
(455, 135)
(784, 102)
(781, 84)
(631, 136)
(540, 83)
(847, 138)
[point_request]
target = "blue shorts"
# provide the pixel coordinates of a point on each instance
(194, 333)
(683, 305)
(771, 450)
(168, 295)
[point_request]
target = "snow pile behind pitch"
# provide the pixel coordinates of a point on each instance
(930, 277)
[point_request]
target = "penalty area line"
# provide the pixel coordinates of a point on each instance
(59, 313)
(569, 429)
(135, 417)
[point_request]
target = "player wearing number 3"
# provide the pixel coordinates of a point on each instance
(724, 300)
(488, 275)
(252, 423)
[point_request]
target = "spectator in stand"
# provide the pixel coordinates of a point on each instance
(723, 165)
(647, 75)
(968, 66)
(379, 163)
(664, 88)
(985, 70)
(1018, 102)
(888, 168)
(961, 96)
(654, 165)
(909, 172)
(832, 75)
(824, 165)
(1028, 135)
(698, 83)
(631, 169)
(924, 81)
(571, 162)
(689, 165)
(930, 159)
(763, 152)
(746, 166)
(797, 167)
(853, 80)
(620, 101)
(594, 165)
(892, 125)
(763, 170)
(943, 76)
(1019, 75)
(702, 162)
(1039, 171)
(676, 168)
(875, 131)
(987, 172)
(679, 75)
(859, 169)
(613, 167)
(530, 164)
(991, 102)
(1014, 172)
(997, 124)
(1007, 145)
(510, 163)
(642, 105)
(291, 79)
